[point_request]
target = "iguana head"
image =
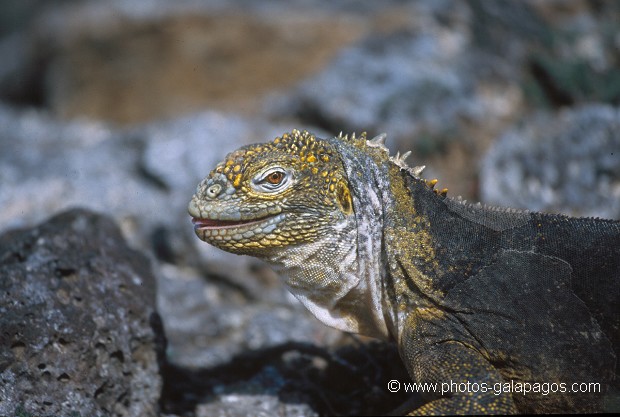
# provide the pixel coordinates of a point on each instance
(265, 198)
(311, 207)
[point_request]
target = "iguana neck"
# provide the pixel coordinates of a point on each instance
(346, 269)
(350, 280)
(372, 288)
(395, 281)
(324, 276)
(411, 262)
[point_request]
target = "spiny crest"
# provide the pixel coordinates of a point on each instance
(459, 199)
(357, 141)
(431, 184)
(399, 160)
(379, 142)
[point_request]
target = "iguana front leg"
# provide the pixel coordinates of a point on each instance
(453, 364)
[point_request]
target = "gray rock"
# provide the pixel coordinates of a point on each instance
(567, 163)
(290, 379)
(427, 80)
(209, 321)
(47, 165)
(239, 405)
(402, 83)
(78, 328)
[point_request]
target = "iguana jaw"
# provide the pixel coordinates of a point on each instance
(214, 230)
(211, 224)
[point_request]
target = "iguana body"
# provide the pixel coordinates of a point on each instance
(469, 293)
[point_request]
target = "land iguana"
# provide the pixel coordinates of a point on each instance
(471, 294)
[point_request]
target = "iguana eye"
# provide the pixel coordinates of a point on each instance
(275, 177)
(273, 180)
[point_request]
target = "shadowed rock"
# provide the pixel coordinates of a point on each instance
(78, 330)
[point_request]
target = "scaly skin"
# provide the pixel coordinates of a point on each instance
(469, 293)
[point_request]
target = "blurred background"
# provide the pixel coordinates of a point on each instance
(485, 93)
(122, 107)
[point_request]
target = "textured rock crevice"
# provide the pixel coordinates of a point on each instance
(79, 330)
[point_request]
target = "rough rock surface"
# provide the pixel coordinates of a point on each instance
(407, 83)
(290, 379)
(569, 163)
(209, 321)
(79, 332)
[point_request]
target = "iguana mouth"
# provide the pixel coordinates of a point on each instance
(210, 224)
(238, 231)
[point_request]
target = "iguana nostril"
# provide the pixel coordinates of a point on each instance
(214, 190)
